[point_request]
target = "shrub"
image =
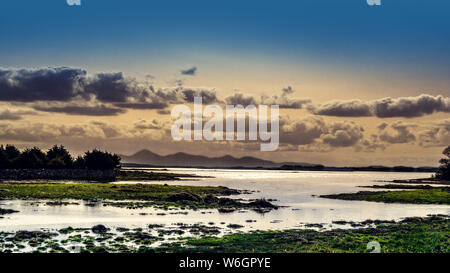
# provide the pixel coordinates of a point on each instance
(444, 169)
(11, 152)
(5, 163)
(79, 163)
(58, 158)
(56, 163)
(98, 160)
(31, 159)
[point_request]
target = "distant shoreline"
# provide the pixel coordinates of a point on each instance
(298, 168)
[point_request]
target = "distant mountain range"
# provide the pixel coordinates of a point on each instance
(146, 157)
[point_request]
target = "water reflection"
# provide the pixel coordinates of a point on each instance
(297, 191)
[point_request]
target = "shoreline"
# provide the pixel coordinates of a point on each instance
(411, 191)
(410, 235)
(136, 195)
(8, 176)
(311, 167)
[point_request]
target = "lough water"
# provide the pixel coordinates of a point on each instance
(297, 191)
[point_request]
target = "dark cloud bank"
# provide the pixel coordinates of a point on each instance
(407, 107)
(73, 91)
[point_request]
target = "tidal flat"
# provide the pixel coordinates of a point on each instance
(129, 216)
(437, 195)
(139, 175)
(411, 235)
(147, 194)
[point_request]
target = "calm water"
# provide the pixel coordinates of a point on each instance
(293, 189)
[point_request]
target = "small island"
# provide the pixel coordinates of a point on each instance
(419, 191)
(58, 164)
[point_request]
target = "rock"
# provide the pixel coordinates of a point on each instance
(226, 210)
(122, 229)
(226, 202)
(183, 196)
(210, 199)
(99, 229)
(24, 235)
(234, 226)
(314, 225)
(7, 211)
(341, 222)
(261, 203)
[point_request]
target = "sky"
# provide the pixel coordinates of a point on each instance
(356, 84)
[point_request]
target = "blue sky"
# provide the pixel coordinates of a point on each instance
(400, 33)
(379, 74)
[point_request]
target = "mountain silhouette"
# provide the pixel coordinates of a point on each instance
(146, 157)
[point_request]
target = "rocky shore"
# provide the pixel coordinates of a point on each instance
(57, 174)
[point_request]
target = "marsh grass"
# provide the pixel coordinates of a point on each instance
(413, 235)
(438, 195)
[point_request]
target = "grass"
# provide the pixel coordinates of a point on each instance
(413, 235)
(131, 175)
(436, 195)
(157, 195)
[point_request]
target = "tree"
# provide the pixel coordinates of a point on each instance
(11, 152)
(8, 157)
(79, 163)
(59, 158)
(56, 157)
(32, 159)
(98, 160)
(5, 163)
(56, 163)
(444, 170)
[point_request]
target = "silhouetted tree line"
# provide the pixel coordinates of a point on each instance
(444, 169)
(56, 157)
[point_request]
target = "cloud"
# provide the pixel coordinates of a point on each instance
(142, 105)
(73, 2)
(354, 108)
(285, 102)
(287, 91)
(397, 132)
(190, 72)
(301, 132)
(98, 110)
(143, 124)
(109, 130)
(163, 112)
(107, 91)
(407, 107)
(113, 87)
(240, 99)
(14, 115)
(343, 134)
(371, 144)
(437, 135)
(29, 132)
(111, 91)
(51, 84)
(90, 133)
(208, 96)
(315, 130)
